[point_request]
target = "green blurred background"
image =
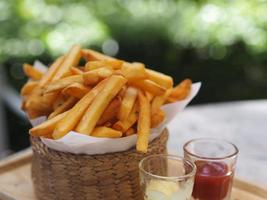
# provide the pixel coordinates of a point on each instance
(221, 43)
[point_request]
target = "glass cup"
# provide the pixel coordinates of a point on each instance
(166, 177)
(215, 160)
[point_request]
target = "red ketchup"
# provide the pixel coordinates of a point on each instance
(213, 181)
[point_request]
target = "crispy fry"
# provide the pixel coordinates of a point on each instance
(114, 64)
(143, 125)
(122, 92)
(182, 90)
(149, 96)
(129, 132)
(157, 118)
(133, 71)
(71, 60)
(48, 76)
(63, 107)
(94, 76)
(127, 123)
(91, 55)
(150, 86)
(158, 101)
(76, 90)
(106, 132)
(110, 112)
(63, 83)
(75, 114)
(32, 114)
(32, 72)
(28, 88)
(47, 127)
(127, 103)
(75, 71)
(160, 78)
(40, 104)
(95, 110)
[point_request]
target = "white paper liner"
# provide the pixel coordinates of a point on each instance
(77, 143)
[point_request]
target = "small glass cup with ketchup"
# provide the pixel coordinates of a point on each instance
(215, 160)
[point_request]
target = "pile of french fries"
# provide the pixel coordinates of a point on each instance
(107, 97)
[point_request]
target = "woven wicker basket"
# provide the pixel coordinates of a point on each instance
(64, 176)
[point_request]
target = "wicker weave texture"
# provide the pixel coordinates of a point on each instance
(64, 176)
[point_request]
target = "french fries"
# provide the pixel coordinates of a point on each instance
(103, 131)
(110, 112)
(76, 90)
(106, 98)
(91, 55)
(47, 127)
(28, 88)
(127, 103)
(157, 118)
(48, 76)
(32, 73)
(75, 114)
(158, 101)
(101, 101)
(150, 86)
(62, 83)
(94, 76)
(70, 60)
(75, 71)
(63, 107)
(113, 64)
(127, 123)
(134, 72)
(143, 125)
(181, 91)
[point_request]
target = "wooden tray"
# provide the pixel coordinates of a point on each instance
(15, 181)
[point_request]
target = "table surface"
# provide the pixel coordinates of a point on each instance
(242, 122)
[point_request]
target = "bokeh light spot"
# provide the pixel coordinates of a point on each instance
(110, 47)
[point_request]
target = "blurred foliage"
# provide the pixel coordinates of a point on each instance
(219, 42)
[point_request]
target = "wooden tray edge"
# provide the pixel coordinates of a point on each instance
(16, 160)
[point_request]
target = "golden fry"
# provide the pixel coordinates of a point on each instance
(40, 104)
(75, 114)
(129, 122)
(110, 112)
(150, 86)
(91, 55)
(47, 127)
(158, 101)
(157, 118)
(64, 107)
(101, 101)
(94, 76)
(71, 60)
(133, 71)
(114, 64)
(143, 125)
(75, 71)
(76, 90)
(28, 88)
(149, 96)
(129, 132)
(48, 76)
(127, 103)
(106, 132)
(160, 78)
(182, 90)
(32, 72)
(63, 83)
